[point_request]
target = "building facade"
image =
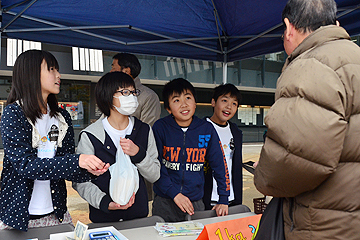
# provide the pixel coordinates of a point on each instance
(255, 78)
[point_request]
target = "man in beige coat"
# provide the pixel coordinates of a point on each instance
(149, 109)
(311, 155)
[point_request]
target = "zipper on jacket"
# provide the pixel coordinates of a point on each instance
(184, 162)
(291, 213)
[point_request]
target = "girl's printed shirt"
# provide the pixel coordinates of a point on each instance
(21, 166)
(48, 128)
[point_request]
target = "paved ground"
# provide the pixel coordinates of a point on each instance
(79, 209)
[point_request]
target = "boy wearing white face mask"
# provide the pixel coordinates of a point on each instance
(116, 97)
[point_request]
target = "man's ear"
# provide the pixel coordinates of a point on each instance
(289, 31)
(127, 71)
(169, 111)
(213, 102)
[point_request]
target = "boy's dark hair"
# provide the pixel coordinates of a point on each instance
(26, 84)
(224, 89)
(107, 87)
(176, 86)
(127, 60)
(309, 15)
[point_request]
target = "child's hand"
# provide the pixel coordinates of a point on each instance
(116, 206)
(129, 147)
(184, 203)
(221, 209)
(93, 164)
(98, 172)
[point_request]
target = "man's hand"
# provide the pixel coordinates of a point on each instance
(93, 164)
(116, 206)
(129, 147)
(184, 203)
(221, 209)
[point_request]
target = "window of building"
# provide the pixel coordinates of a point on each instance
(85, 59)
(16, 46)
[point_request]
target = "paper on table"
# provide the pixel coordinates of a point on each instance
(80, 230)
(179, 229)
(62, 236)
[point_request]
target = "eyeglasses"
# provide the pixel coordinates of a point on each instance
(127, 92)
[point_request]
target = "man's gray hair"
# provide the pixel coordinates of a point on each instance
(309, 15)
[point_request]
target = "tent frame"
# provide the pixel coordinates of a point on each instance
(222, 36)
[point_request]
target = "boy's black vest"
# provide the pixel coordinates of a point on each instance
(107, 153)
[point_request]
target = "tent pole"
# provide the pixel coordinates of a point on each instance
(19, 14)
(239, 73)
(213, 72)
(225, 63)
(256, 37)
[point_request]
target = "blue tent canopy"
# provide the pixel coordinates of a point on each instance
(215, 30)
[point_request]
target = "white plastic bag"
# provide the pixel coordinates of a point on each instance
(124, 179)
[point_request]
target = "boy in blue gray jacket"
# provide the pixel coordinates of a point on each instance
(183, 142)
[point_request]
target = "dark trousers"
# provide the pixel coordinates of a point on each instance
(169, 211)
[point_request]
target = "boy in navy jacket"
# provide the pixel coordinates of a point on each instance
(183, 142)
(225, 101)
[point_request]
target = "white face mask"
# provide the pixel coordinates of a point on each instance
(128, 104)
